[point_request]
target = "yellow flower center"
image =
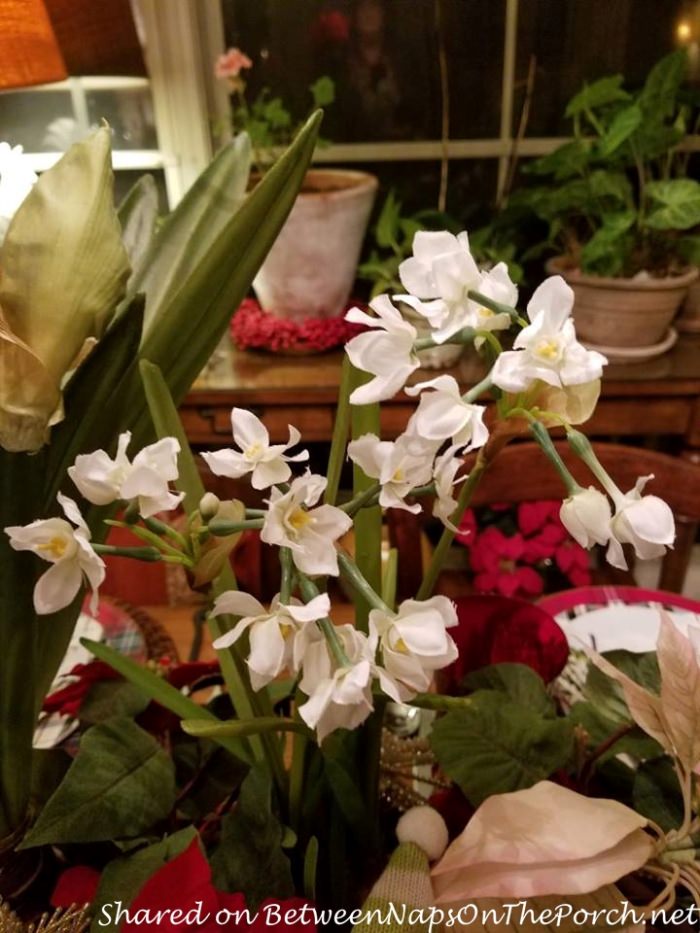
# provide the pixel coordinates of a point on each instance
(548, 349)
(299, 519)
(486, 312)
(55, 547)
(398, 475)
(400, 645)
(253, 451)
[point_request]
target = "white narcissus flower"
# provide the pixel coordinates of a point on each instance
(548, 349)
(386, 351)
(268, 463)
(496, 284)
(339, 696)
(444, 473)
(645, 522)
(102, 480)
(399, 466)
(68, 549)
(16, 181)
(309, 533)
(443, 414)
(414, 642)
(442, 268)
(272, 632)
(586, 516)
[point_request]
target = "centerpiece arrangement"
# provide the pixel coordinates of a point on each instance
(273, 793)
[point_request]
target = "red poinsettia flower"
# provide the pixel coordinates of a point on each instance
(534, 516)
(574, 562)
(183, 892)
(543, 545)
(494, 630)
(497, 562)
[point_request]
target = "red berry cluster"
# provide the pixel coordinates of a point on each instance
(252, 328)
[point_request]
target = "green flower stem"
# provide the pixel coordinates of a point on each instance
(543, 438)
(447, 536)
(162, 528)
(476, 391)
(148, 554)
(297, 773)
(221, 529)
(368, 522)
(341, 429)
(465, 335)
(492, 340)
(255, 513)
(389, 579)
(149, 537)
(352, 573)
(495, 306)
(309, 590)
(437, 701)
(287, 566)
(581, 446)
(361, 500)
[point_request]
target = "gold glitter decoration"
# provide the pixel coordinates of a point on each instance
(398, 776)
(73, 920)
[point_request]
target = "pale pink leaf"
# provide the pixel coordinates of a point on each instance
(680, 692)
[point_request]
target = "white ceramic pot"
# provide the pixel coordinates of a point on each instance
(623, 312)
(311, 268)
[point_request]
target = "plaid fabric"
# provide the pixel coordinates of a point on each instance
(405, 881)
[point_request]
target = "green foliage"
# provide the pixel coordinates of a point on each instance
(656, 793)
(496, 745)
(120, 784)
(249, 857)
(518, 681)
(616, 198)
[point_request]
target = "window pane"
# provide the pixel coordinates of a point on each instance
(27, 116)
(129, 111)
(581, 40)
(383, 56)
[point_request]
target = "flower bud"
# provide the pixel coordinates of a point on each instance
(586, 515)
(209, 506)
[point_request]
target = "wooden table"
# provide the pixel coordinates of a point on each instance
(658, 398)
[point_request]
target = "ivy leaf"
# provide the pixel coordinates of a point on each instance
(120, 784)
(518, 681)
(676, 204)
(496, 746)
(658, 96)
(123, 878)
(604, 91)
(607, 249)
(249, 858)
(621, 128)
(656, 793)
(566, 161)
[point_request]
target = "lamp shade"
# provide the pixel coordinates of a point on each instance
(29, 51)
(97, 37)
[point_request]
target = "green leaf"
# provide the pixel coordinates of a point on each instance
(566, 161)
(496, 746)
(111, 698)
(676, 204)
(249, 857)
(689, 249)
(120, 784)
(123, 878)
(189, 232)
(387, 228)
(604, 91)
(207, 774)
(658, 96)
(205, 729)
(600, 728)
(518, 681)
(621, 128)
(323, 91)
(606, 694)
(606, 251)
(656, 793)
(137, 215)
(158, 689)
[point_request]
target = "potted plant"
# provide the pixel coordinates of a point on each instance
(618, 207)
(311, 268)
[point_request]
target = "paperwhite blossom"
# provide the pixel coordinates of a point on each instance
(586, 515)
(442, 268)
(547, 349)
(272, 632)
(268, 463)
(69, 551)
(386, 351)
(414, 642)
(16, 181)
(102, 480)
(310, 533)
(399, 466)
(339, 696)
(443, 413)
(497, 285)
(645, 522)
(444, 474)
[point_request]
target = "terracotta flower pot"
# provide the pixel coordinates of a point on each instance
(622, 312)
(688, 320)
(311, 267)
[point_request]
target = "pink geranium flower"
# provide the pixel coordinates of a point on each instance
(496, 561)
(231, 63)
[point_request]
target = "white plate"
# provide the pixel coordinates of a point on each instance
(634, 628)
